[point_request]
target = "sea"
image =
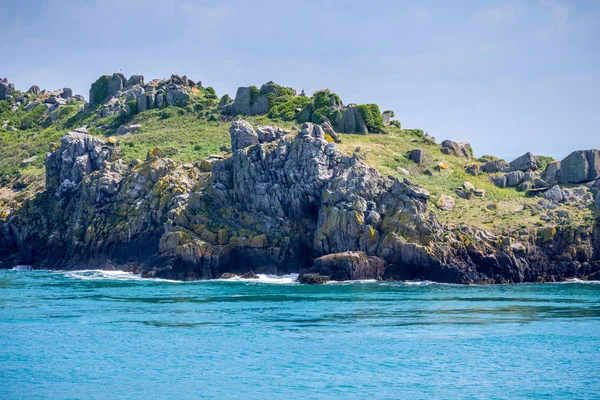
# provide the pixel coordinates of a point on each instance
(113, 335)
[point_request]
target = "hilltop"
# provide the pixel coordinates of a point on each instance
(167, 168)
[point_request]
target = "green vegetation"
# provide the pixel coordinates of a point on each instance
(372, 117)
(289, 110)
(99, 90)
(254, 94)
(195, 129)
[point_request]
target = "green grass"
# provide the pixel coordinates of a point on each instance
(512, 210)
(190, 133)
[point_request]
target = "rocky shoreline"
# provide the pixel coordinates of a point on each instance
(283, 201)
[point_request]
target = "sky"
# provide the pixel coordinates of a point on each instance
(507, 76)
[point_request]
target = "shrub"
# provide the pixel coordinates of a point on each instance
(544, 161)
(318, 114)
(396, 123)
(210, 93)
(254, 94)
(372, 117)
(288, 110)
(322, 99)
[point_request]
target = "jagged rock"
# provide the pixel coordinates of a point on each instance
(246, 104)
(479, 193)
(176, 94)
(228, 275)
(387, 117)
(493, 166)
(67, 93)
(499, 181)
(540, 183)
(472, 169)
(554, 194)
(313, 279)
(35, 89)
(458, 149)
(242, 135)
(550, 173)
(328, 129)
(268, 134)
(180, 80)
(417, 155)
(250, 275)
(580, 166)
(525, 162)
(268, 207)
(352, 121)
(55, 100)
(6, 89)
(445, 203)
(116, 83)
(349, 266)
(134, 80)
(141, 101)
(514, 178)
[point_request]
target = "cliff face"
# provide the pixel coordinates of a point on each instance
(280, 201)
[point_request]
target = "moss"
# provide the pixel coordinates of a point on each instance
(99, 90)
(132, 107)
(322, 99)
(254, 94)
(289, 110)
(329, 138)
(372, 117)
(318, 114)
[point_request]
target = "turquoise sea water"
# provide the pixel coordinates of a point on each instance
(112, 335)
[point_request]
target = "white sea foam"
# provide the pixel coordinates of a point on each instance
(418, 283)
(351, 282)
(575, 280)
(22, 268)
(265, 278)
(96, 274)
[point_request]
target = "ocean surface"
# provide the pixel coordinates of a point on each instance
(112, 335)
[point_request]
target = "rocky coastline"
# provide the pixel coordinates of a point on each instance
(282, 201)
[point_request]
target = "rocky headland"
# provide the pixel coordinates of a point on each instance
(286, 199)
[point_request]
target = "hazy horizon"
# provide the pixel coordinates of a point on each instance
(506, 76)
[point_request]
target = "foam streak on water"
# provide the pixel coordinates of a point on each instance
(112, 334)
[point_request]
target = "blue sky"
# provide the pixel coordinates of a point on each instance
(507, 76)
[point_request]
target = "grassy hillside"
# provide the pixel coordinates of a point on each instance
(190, 133)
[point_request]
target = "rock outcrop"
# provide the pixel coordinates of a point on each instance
(349, 266)
(120, 96)
(6, 88)
(281, 202)
(580, 166)
(526, 162)
(457, 149)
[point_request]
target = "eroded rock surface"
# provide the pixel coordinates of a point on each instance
(282, 202)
